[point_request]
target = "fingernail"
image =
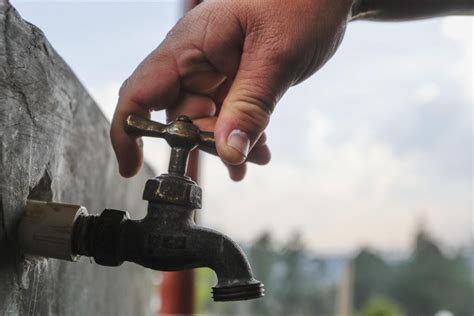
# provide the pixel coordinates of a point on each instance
(140, 142)
(239, 141)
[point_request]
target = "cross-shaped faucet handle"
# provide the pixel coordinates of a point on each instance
(181, 134)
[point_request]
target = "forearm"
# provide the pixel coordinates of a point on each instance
(400, 10)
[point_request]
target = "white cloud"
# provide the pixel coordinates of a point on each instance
(353, 193)
(458, 28)
(427, 92)
(460, 31)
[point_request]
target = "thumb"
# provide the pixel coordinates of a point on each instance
(246, 110)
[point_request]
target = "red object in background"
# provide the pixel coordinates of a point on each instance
(177, 293)
(177, 288)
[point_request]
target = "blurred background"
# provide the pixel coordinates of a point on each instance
(367, 206)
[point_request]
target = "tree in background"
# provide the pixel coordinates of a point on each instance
(430, 282)
(263, 259)
(426, 283)
(291, 278)
(373, 277)
(301, 291)
(422, 285)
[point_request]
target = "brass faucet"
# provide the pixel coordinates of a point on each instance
(167, 238)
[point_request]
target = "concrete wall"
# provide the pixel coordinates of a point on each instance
(54, 145)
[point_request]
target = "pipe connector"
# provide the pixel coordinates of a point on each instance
(46, 229)
(99, 236)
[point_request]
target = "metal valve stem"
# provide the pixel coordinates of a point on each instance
(178, 161)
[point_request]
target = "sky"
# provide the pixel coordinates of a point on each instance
(374, 146)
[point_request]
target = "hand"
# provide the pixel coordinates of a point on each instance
(226, 64)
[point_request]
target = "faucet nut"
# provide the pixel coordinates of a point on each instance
(106, 235)
(173, 189)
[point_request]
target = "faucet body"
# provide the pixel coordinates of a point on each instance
(166, 239)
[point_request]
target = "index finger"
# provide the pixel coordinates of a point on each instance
(152, 86)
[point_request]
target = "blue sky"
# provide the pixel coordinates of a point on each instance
(374, 145)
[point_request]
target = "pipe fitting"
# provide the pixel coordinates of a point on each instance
(98, 236)
(46, 229)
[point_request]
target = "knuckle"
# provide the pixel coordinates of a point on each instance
(257, 92)
(252, 115)
(257, 104)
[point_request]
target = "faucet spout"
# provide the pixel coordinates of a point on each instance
(168, 239)
(235, 279)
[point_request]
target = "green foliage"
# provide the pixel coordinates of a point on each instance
(302, 293)
(426, 283)
(291, 283)
(430, 282)
(380, 307)
(205, 279)
(373, 277)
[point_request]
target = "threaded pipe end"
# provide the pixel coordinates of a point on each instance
(238, 292)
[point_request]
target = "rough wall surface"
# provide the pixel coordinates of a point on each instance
(54, 145)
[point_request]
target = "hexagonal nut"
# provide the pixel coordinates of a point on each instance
(174, 190)
(107, 237)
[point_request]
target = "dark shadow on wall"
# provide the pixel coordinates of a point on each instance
(42, 190)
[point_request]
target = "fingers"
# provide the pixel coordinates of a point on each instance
(260, 153)
(154, 84)
(207, 64)
(192, 105)
(127, 149)
(237, 172)
(246, 110)
(176, 68)
(198, 75)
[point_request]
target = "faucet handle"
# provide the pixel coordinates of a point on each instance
(179, 133)
(138, 126)
(207, 143)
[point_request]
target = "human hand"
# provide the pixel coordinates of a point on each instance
(226, 64)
